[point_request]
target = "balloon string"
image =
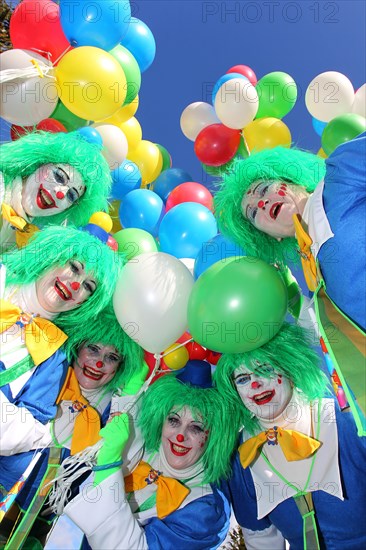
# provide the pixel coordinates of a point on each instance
(246, 144)
(63, 53)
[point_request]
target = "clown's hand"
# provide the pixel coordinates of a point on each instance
(136, 380)
(115, 435)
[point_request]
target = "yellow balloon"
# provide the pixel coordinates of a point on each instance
(124, 113)
(322, 154)
(266, 133)
(178, 358)
(102, 220)
(149, 160)
(133, 132)
(92, 83)
(114, 214)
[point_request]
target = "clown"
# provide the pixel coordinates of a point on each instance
(103, 360)
(295, 475)
(64, 275)
(168, 501)
(265, 199)
(48, 178)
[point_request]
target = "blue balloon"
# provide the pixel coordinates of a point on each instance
(140, 41)
(143, 209)
(168, 180)
(319, 126)
(184, 228)
(91, 135)
(125, 178)
(214, 250)
(222, 80)
(101, 23)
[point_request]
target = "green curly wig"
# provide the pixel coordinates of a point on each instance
(23, 157)
(280, 163)
(289, 353)
(167, 394)
(55, 246)
(106, 330)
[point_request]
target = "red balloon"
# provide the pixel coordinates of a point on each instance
(51, 125)
(190, 192)
(150, 361)
(186, 336)
(196, 351)
(213, 357)
(216, 144)
(35, 25)
(245, 71)
(18, 131)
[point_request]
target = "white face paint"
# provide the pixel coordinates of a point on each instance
(96, 365)
(183, 439)
(270, 205)
(51, 189)
(65, 288)
(265, 392)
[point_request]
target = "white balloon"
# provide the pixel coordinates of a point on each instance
(115, 145)
(195, 117)
(189, 263)
(151, 300)
(328, 95)
(359, 103)
(236, 103)
(26, 100)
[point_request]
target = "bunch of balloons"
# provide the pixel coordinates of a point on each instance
(77, 64)
(339, 114)
(245, 116)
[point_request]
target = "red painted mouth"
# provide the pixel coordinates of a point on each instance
(275, 210)
(44, 199)
(264, 397)
(178, 450)
(89, 372)
(62, 291)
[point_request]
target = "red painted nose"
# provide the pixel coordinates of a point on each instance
(60, 195)
(75, 286)
(255, 385)
(99, 364)
(180, 438)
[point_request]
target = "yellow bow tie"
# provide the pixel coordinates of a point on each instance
(42, 337)
(87, 421)
(170, 492)
(24, 230)
(307, 259)
(295, 445)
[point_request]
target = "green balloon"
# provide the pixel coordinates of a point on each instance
(340, 129)
(132, 242)
(68, 119)
(236, 305)
(167, 159)
(277, 94)
(131, 69)
(242, 149)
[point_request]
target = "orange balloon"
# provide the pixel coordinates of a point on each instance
(322, 154)
(266, 133)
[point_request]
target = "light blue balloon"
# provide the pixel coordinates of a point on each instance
(91, 135)
(140, 41)
(184, 228)
(125, 178)
(100, 23)
(168, 180)
(222, 80)
(319, 126)
(214, 250)
(143, 209)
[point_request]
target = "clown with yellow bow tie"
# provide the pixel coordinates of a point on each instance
(295, 474)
